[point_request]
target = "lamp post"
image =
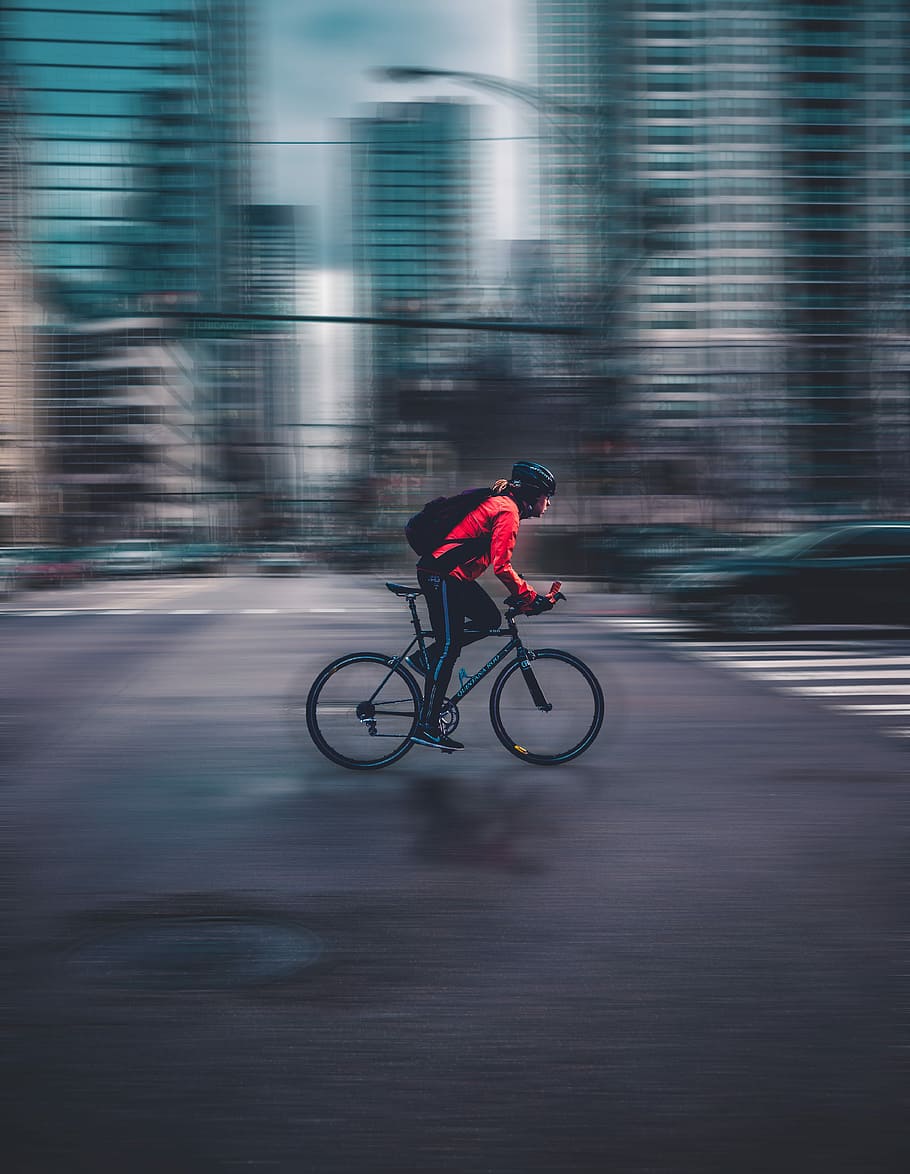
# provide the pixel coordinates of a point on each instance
(505, 87)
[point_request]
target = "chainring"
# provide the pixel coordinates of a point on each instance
(448, 719)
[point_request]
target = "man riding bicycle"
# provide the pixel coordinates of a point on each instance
(461, 612)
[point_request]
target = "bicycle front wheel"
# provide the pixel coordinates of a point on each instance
(548, 712)
(361, 711)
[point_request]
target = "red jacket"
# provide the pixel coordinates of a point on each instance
(497, 517)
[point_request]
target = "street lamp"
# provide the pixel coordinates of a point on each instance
(531, 95)
(503, 87)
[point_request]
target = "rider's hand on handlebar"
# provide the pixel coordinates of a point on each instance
(539, 604)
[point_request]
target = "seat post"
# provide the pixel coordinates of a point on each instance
(415, 619)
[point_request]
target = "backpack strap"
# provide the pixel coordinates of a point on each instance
(464, 550)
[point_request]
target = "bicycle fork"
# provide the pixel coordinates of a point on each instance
(533, 685)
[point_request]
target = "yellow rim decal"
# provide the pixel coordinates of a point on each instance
(521, 749)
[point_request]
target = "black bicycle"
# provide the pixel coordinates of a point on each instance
(546, 706)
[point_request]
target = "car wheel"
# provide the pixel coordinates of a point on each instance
(748, 614)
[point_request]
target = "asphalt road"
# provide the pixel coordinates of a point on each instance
(686, 951)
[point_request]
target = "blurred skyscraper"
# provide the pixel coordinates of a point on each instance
(133, 136)
(414, 229)
(280, 247)
(132, 140)
(20, 456)
(726, 200)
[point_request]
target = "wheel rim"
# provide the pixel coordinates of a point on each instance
(362, 710)
(570, 726)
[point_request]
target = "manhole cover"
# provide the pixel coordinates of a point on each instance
(199, 952)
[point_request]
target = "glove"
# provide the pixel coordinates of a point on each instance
(536, 606)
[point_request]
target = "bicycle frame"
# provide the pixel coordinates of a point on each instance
(577, 699)
(524, 656)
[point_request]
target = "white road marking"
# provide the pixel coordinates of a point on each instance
(832, 675)
(650, 627)
(848, 668)
(753, 649)
(873, 710)
(113, 610)
(822, 662)
(850, 690)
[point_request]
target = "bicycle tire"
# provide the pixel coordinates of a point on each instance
(338, 711)
(575, 696)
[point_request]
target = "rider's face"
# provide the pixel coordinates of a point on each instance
(540, 506)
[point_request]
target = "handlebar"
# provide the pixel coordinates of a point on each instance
(553, 595)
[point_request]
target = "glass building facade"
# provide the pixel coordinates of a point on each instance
(131, 132)
(413, 207)
(731, 205)
(414, 199)
(20, 458)
(131, 142)
(279, 244)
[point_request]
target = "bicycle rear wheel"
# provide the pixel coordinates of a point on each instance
(362, 709)
(573, 715)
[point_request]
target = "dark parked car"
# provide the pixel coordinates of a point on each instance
(857, 573)
(633, 554)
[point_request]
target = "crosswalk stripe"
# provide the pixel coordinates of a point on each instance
(850, 690)
(643, 623)
(754, 649)
(876, 710)
(837, 673)
(832, 675)
(849, 662)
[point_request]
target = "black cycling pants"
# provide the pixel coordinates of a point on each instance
(451, 602)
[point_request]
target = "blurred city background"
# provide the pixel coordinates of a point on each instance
(273, 274)
(699, 320)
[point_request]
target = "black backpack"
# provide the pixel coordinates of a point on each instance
(428, 529)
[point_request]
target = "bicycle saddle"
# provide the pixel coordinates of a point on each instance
(401, 589)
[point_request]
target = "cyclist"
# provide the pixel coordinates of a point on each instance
(454, 597)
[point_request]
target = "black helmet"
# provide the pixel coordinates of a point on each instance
(531, 479)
